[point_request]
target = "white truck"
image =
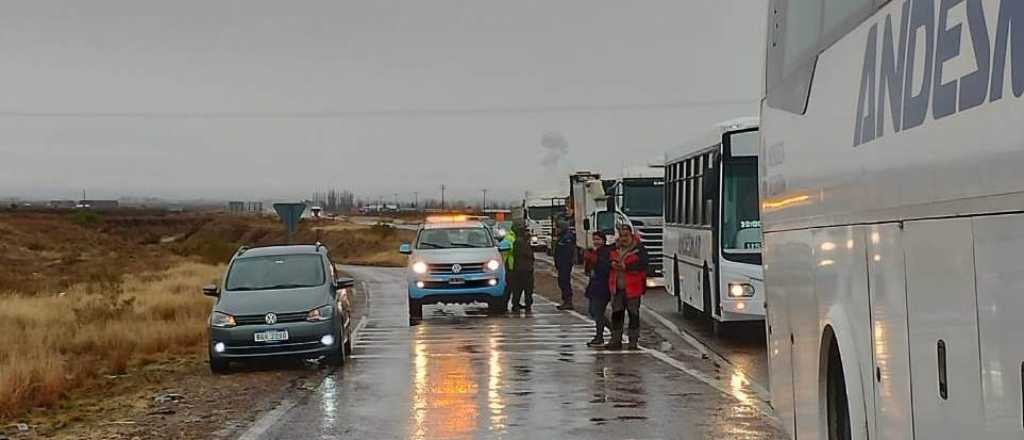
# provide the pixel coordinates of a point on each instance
(635, 199)
(541, 209)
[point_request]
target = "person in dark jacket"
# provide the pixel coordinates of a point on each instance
(599, 265)
(565, 256)
(628, 282)
(522, 271)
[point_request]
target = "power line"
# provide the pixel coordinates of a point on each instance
(389, 113)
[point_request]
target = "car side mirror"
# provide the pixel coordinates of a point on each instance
(504, 246)
(405, 248)
(211, 290)
(345, 283)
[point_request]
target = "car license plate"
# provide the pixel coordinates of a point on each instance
(271, 336)
(456, 280)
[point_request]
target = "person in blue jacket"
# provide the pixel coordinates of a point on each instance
(565, 256)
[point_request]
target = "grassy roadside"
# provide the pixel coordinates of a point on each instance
(54, 345)
(90, 308)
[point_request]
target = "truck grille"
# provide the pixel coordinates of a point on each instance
(652, 238)
(261, 319)
(446, 268)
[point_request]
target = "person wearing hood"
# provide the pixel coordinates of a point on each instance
(565, 256)
(627, 282)
(522, 270)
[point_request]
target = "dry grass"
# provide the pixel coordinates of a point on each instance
(53, 345)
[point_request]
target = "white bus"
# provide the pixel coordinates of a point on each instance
(712, 236)
(893, 209)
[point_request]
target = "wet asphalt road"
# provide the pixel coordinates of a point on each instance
(460, 374)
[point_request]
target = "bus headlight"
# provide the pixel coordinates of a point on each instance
(741, 290)
(419, 267)
(493, 265)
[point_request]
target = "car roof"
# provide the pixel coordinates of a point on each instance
(295, 249)
(453, 225)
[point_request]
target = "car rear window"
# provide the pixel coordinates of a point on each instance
(275, 272)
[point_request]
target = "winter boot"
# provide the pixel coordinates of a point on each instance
(616, 342)
(634, 339)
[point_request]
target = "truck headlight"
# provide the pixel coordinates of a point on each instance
(419, 267)
(741, 290)
(493, 265)
(224, 320)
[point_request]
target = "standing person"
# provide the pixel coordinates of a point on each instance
(508, 257)
(565, 256)
(522, 272)
(628, 283)
(599, 265)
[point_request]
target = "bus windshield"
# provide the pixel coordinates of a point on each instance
(741, 219)
(643, 199)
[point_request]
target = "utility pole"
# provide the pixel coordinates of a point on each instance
(484, 208)
(416, 200)
(442, 196)
(396, 200)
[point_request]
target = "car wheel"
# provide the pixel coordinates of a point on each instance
(496, 306)
(219, 366)
(336, 357)
(415, 309)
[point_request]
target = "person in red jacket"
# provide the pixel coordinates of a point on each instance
(628, 283)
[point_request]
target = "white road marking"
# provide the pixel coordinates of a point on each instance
(759, 404)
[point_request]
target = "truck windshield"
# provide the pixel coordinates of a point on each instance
(545, 212)
(643, 199)
(275, 272)
(741, 220)
(452, 238)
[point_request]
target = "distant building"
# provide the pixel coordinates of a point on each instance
(62, 204)
(99, 204)
(243, 208)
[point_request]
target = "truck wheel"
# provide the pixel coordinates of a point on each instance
(415, 309)
(720, 328)
(689, 312)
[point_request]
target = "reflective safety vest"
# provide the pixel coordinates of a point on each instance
(509, 256)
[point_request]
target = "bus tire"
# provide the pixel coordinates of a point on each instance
(837, 401)
(708, 307)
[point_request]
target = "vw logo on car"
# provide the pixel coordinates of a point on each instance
(456, 268)
(270, 318)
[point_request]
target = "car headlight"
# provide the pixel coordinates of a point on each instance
(218, 319)
(419, 267)
(741, 290)
(320, 314)
(493, 265)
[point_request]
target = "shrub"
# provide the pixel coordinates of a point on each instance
(85, 218)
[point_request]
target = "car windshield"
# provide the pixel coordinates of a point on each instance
(448, 238)
(275, 272)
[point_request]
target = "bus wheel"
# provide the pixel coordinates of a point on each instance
(838, 404)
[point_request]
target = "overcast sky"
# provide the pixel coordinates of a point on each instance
(269, 98)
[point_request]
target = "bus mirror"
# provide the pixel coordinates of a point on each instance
(586, 224)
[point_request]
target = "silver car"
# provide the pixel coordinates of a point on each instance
(280, 301)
